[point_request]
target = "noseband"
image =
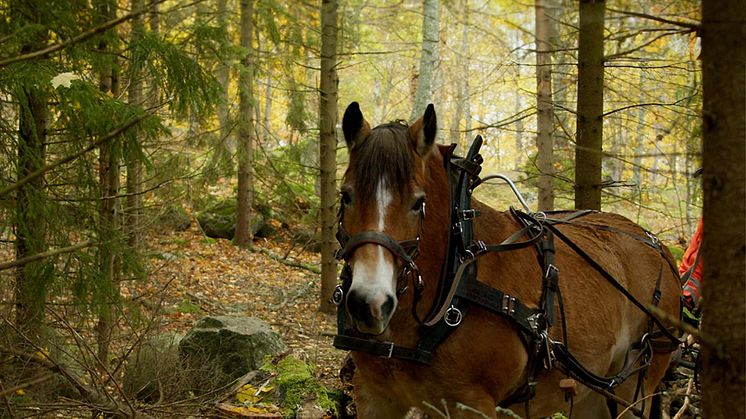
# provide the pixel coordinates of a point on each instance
(406, 250)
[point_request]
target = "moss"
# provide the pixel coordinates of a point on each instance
(296, 381)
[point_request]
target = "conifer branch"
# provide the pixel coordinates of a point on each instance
(73, 156)
(50, 253)
(74, 40)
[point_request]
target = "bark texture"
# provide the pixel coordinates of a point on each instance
(724, 234)
(544, 106)
(245, 128)
(328, 150)
(588, 151)
(428, 58)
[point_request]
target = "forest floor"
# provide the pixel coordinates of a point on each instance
(197, 276)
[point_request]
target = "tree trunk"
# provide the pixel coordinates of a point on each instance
(462, 63)
(544, 106)
(724, 237)
(222, 151)
(134, 211)
(428, 58)
(328, 150)
(108, 214)
(588, 151)
(155, 27)
(30, 221)
(245, 128)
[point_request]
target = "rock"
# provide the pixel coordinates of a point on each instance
(175, 218)
(155, 368)
(310, 410)
(219, 220)
(307, 239)
(217, 226)
(231, 345)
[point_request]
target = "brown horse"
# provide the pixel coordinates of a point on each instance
(393, 170)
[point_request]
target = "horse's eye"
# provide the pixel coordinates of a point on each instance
(419, 205)
(345, 196)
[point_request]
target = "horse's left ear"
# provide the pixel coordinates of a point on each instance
(354, 126)
(423, 131)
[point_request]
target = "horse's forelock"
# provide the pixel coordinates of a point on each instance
(386, 155)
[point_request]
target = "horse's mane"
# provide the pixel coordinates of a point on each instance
(386, 154)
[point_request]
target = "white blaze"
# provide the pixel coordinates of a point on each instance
(374, 278)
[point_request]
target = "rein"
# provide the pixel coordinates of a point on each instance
(459, 287)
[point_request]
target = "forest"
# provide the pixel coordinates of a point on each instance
(166, 162)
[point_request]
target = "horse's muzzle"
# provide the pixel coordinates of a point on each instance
(370, 314)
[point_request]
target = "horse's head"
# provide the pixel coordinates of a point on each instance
(383, 201)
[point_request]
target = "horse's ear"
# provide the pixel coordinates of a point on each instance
(423, 131)
(354, 126)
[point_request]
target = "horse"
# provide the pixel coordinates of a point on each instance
(395, 254)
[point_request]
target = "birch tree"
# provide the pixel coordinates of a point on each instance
(428, 58)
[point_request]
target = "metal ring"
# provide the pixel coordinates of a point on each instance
(338, 295)
(453, 316)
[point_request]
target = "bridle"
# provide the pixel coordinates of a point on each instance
(406, 250)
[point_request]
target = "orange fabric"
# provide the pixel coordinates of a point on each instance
(690, 255)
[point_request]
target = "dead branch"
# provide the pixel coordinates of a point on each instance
(50, 253)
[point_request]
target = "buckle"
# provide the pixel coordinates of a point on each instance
(469, 214)
(475, 248)
(551, 269)
(390, 349)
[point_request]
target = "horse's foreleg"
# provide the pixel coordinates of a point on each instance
(372, 404)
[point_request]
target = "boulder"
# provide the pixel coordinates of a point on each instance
(154, 370)
(219, 220)
(174, 218)
(230, 345)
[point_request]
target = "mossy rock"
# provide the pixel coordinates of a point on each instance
(219, 220)
(296, 386)
(228, 347)
(174, 218)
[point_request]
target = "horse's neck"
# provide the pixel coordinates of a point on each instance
(491, 225)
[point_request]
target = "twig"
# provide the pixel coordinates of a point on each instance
(291, 263)
(704, 338)
(691, 26)
(631, 406)
(50, 253)
(687, 401)
(73, 156)
(27, 384)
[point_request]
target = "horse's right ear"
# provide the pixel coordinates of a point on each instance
(354, 126)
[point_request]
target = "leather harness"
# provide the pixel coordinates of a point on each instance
(459, 288)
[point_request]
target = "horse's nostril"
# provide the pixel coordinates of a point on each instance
(357, 307)
(387, 307)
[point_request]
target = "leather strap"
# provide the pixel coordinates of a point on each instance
(382, 349)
